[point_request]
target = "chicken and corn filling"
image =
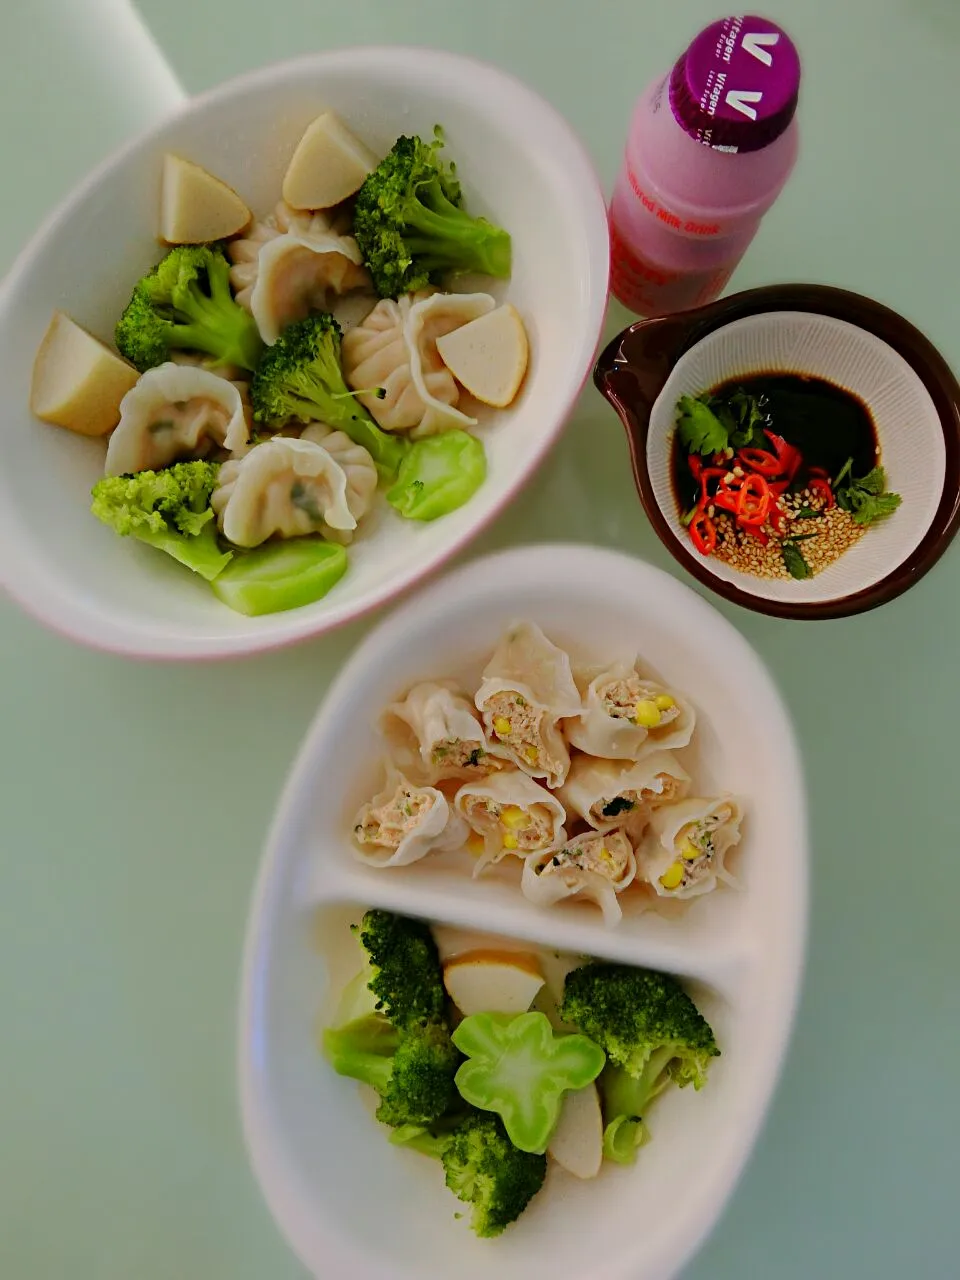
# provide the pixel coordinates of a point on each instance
(696, 850)
(519, 726)
(602, 855)
(520, 830)
(633, 699)
(629, 801)
(464, 755)
(388, 824)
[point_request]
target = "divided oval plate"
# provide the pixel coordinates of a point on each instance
(348, 1202)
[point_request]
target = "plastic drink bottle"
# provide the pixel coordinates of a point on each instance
(710, 148)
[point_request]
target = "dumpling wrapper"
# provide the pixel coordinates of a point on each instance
(427, 320)
(513, 814)
(376, 356)
(359, 468)
(283, 487)
(608, 725)
(434, 733)
(631, 789)
(298, 276)
(175, 412)
(526, 690)
(677, 826)
(596, 865)
(403, 823)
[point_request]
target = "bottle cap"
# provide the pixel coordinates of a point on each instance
(736, 87)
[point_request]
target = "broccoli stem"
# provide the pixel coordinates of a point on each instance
(354, 1051)
(347, 416)
(225, 332)
(199, 552)
(450, 239)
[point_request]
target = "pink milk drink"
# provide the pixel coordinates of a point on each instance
(710, 148)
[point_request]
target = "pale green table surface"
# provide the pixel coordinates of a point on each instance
(134, 799)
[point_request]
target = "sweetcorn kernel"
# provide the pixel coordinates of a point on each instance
(513, 817)
(645, 713)
(672, 877)
(510, 841)
(664, 702)
(689, 852)
(530, 755)
(501, 725)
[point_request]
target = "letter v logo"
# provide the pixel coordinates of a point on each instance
(758, 43)
(740, 99)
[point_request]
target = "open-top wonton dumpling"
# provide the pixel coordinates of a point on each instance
(613, 793)
(175, 412)
(513, 814)
(527, 689)
(626, 714)
(434, 733)
(404, 822)
(683, 853)
(597, 865)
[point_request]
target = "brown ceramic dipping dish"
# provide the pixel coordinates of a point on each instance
(633, 369)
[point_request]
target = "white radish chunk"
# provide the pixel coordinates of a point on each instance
(328, 166)
(577, 1141)
(489, 355)
(78, 383)
(196, 207)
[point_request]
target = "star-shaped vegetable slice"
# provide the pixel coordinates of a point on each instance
(520, 1068)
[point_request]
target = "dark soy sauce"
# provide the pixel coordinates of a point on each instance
(827, 423)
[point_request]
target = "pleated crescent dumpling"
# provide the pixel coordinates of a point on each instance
(297, 279)
(513, 815)
(597, 865)
(376, 357)
(359, 468)
(527, 689)
(283, 487)
(683, 853)
(613, 793)
(175, 412)
(311, 229)
(625, 715)
(428, 319)
(434, 733)
(404, 822)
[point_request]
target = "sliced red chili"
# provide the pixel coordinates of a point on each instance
(762, 461)
(703, 533)
(753, 500)
(820, 488)
(788, 456)
(819, 471)
(706, 475)
(695, 465)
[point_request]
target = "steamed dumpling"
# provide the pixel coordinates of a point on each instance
(395, 349)
(358, 466)
(375, 357)
(626, 715)
(614, 793)
(292, 264)
(527, 688)
(684, 852)
(597, 865)
(405, 822)
(435, 732)
(285, 488)
(175, 412)
(513, 815)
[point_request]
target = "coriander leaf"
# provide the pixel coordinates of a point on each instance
(699, 428)
(793, 559)
(868, 508)
(874, 481)
(750, 421)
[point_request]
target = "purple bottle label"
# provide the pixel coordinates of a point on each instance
(736, 87)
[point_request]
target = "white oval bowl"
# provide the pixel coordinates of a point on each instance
(908, 427)
(520, 165)
(347, 1201)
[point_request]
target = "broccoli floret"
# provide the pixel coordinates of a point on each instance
(185, 303)
(651, 1030)
(411, 227)
(406, 973)
(300, 377)
(169, 510)
(397, 1039)
(485, 1169)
